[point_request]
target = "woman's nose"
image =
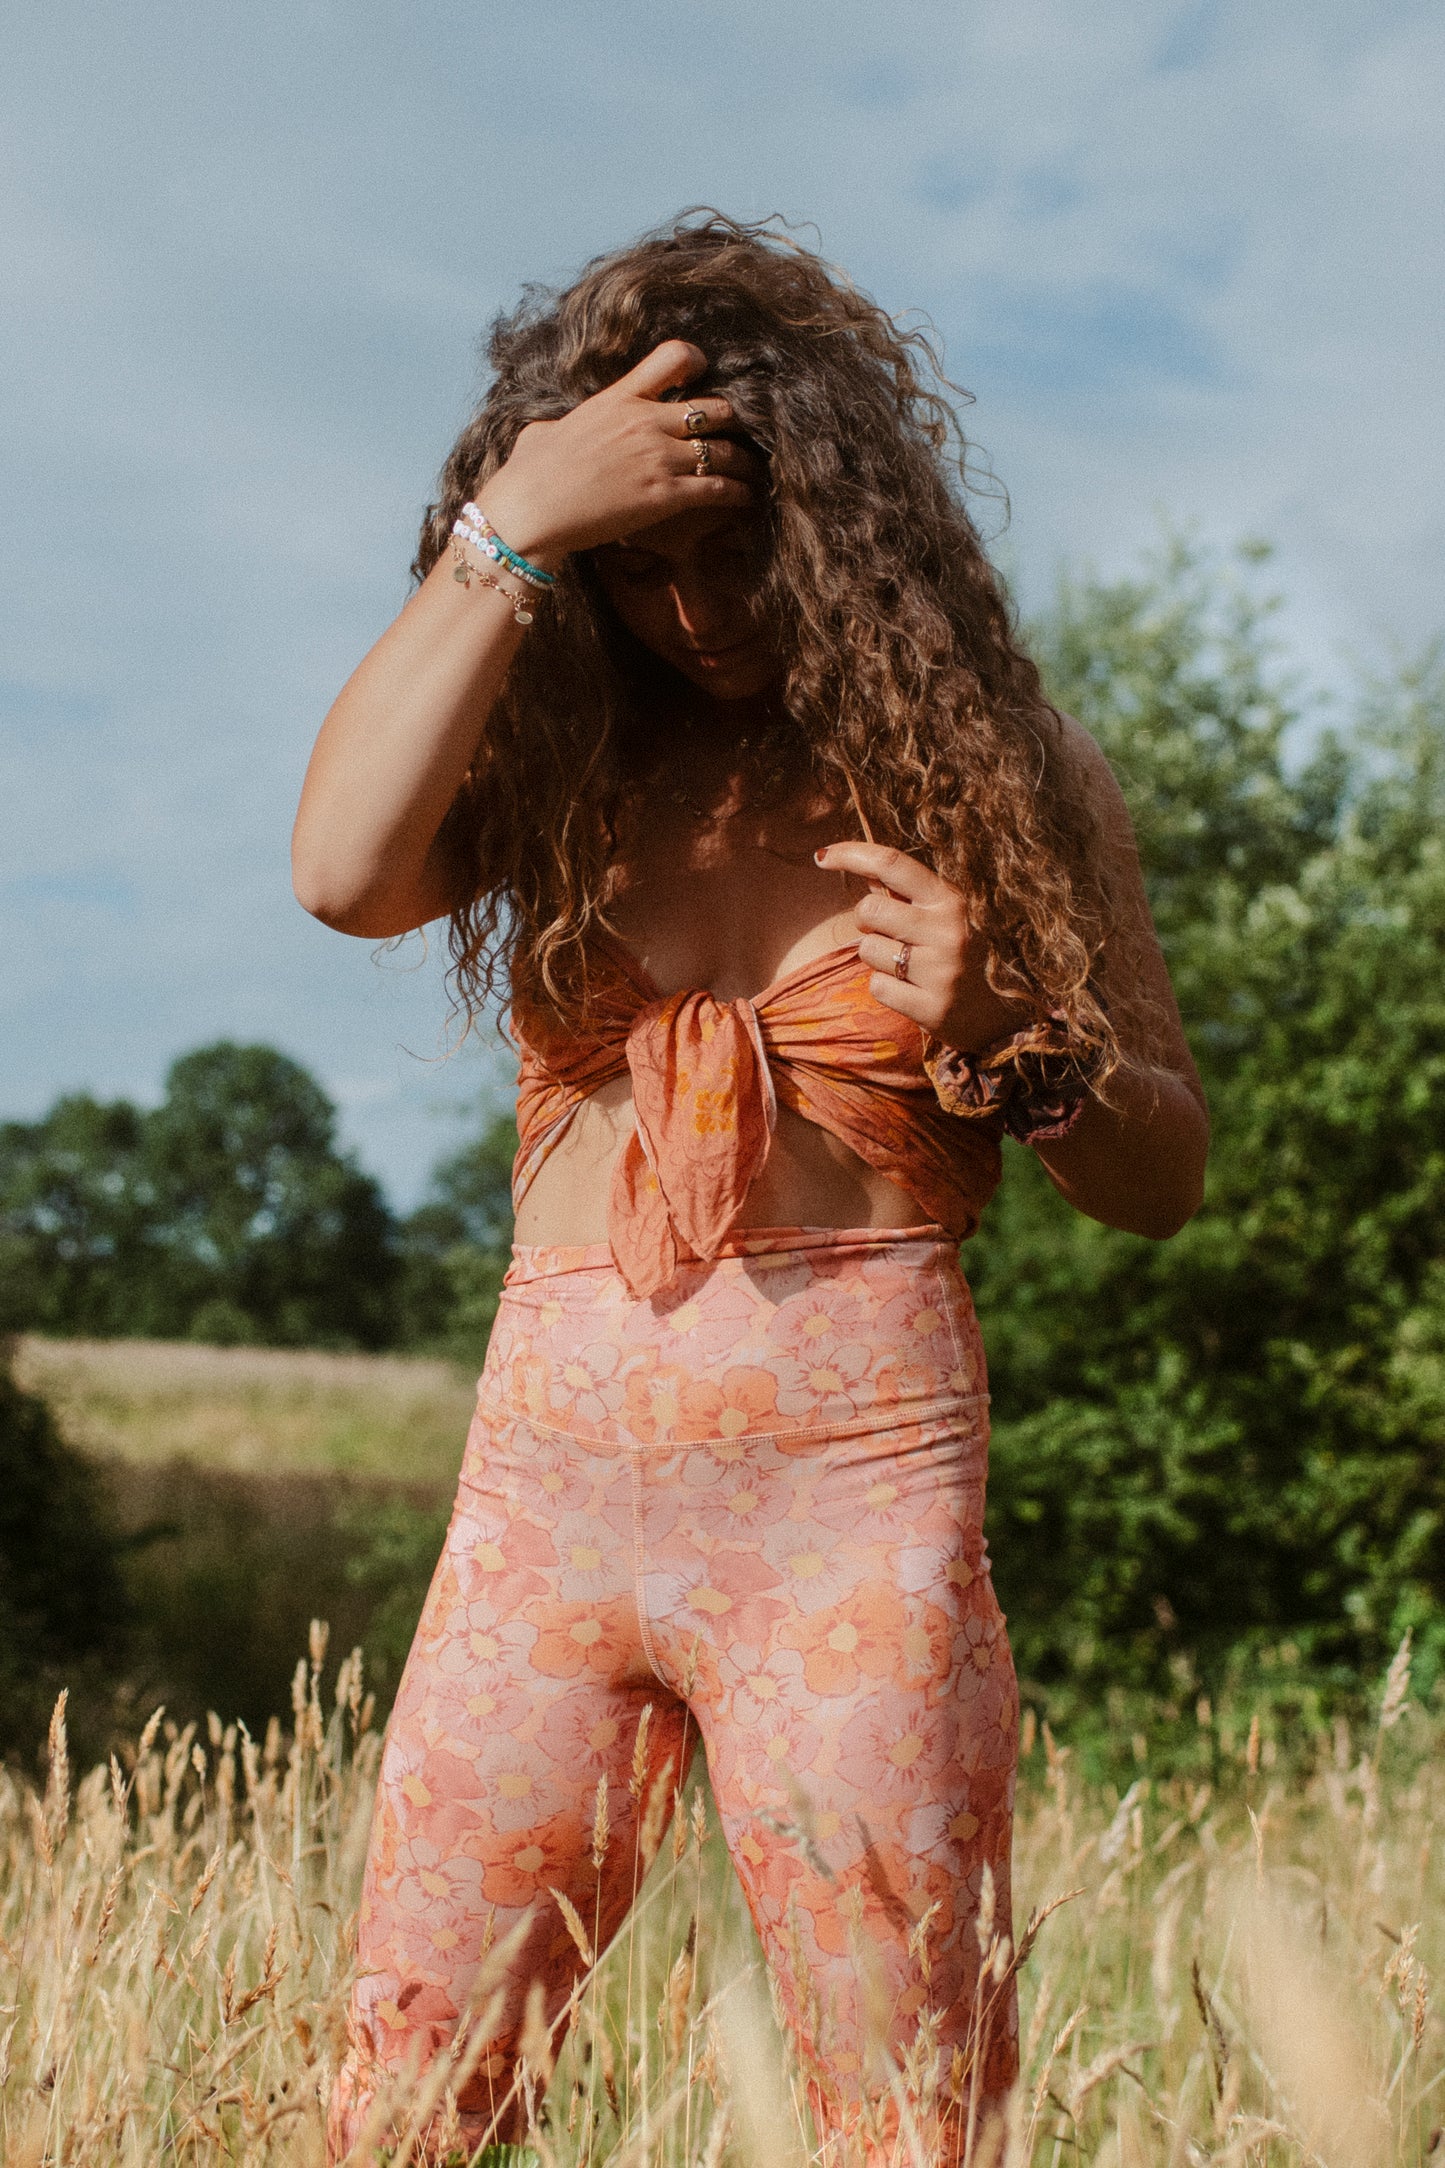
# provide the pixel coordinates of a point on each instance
(701, 611)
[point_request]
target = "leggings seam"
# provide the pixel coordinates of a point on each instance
(947, 1306)
(892, 1419)
(644, 1633)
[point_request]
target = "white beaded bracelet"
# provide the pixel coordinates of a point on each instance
(464, 531)
(479, 529)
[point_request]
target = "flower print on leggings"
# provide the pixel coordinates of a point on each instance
(755, 1502)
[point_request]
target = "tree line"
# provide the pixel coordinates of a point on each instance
(1214, 1459)
(230, 1214)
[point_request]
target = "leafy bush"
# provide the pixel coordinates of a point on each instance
(1225, 1451)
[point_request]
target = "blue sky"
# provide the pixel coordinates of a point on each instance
(1186, 253)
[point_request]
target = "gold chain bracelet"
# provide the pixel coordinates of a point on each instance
(465, 571)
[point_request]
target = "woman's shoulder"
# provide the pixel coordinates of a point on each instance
(1080, 752)
(1086, 772)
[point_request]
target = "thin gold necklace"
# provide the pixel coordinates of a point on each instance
(745, 744)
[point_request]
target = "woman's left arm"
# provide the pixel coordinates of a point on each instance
(1136, 1162)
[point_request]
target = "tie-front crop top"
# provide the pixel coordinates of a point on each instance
(707, 1078)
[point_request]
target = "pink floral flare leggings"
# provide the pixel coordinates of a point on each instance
(756, 1502)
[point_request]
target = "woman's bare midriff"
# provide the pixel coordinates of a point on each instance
(810, 1179)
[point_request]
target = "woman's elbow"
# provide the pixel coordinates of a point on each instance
(344, 906)
(317, 889)
(1179, 1192)
(1157, 1216)
(1167, 1217)
(372, 909)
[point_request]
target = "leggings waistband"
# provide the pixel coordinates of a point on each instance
(547, 1260)
(790, 1330)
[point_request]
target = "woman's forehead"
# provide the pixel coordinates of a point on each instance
(684, 531)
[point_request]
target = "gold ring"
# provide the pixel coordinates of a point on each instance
(694, 421)
(900, 961)
(704, 455)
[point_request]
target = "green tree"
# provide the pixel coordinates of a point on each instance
(228, 1213)
(263, 1228)
(75, 1217)
(455, 1247)
(1230, 1443)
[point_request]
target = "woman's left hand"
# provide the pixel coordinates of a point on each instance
(942, 985)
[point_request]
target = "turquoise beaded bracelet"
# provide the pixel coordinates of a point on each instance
(476, 527)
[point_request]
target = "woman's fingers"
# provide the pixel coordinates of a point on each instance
(675, 362)
(929, 970)
(712, 490)
(624, 459)
(906, 876)
(906, 999)
(911, 907)
(732, 478)
(880, 913)
(880, 952)
(723, 457)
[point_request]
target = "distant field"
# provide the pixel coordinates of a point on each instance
(254, 1489)
(255, 1411)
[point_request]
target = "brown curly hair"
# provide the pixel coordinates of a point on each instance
(904, 680)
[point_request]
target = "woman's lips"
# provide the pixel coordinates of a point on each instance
(720, 654)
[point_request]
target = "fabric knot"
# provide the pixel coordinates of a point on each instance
(705, 1109)
(707, 1077)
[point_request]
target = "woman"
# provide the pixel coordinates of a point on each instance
(707, 730)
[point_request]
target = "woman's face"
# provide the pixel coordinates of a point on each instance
(688, 588)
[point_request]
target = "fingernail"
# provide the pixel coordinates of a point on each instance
(821, 854)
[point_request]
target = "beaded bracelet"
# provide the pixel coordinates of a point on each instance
(465, 572)
(1035, 1078)
(486, 540)
(477, 528)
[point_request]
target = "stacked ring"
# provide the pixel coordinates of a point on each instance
(900, 961)
(703, 450)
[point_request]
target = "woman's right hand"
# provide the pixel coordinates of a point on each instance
(368, 853)
(620, 461)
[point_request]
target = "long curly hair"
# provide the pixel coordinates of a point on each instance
(904, 683)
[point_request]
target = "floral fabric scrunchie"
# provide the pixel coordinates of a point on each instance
(1035, 1078)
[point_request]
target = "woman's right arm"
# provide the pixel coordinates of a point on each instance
(366, 853)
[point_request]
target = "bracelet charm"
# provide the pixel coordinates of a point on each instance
(464, 572)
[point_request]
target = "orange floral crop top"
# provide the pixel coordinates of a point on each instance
(707, 1079)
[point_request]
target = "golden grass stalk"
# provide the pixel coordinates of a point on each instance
(1238, 1972)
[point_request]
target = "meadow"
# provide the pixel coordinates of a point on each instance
(253, 1411)
(249, 1487)
(1236, 1972)
(1228, 1959)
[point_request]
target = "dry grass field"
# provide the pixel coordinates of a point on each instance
(254, 1411)
(248, 1482)
(1236, 1974)
(1235, 1971)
